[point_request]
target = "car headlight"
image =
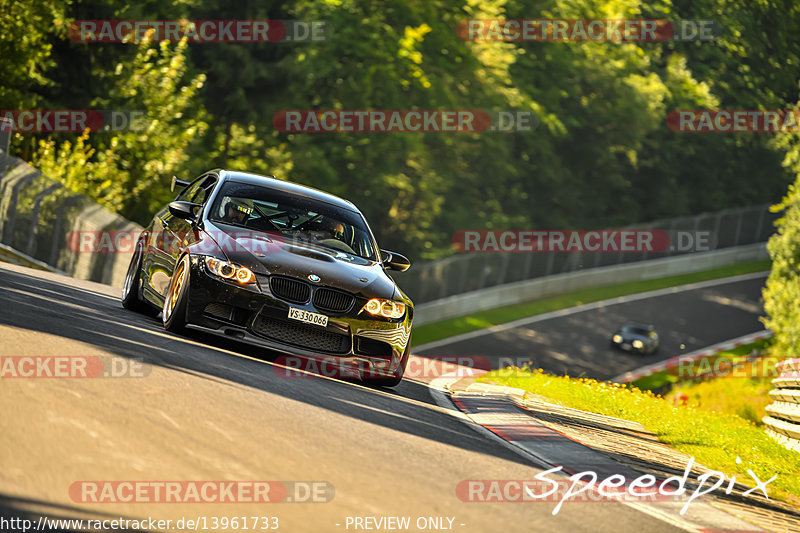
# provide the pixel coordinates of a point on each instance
(617, 338)
(385, 308)
(638, 344)
(228, 270)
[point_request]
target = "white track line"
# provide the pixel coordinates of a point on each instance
(586, 307)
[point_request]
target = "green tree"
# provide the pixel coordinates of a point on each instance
(25, 47)
(127, 171)
(155, 82)
(601, 155)
(783, 284)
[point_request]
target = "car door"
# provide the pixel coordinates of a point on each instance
(180, 233)
(169, 238)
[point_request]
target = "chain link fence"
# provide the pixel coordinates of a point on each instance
(37, 215)
(467, 272)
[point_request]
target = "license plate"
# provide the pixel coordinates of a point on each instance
(308, 317)
(626, 346)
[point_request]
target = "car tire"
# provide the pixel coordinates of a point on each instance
(132, 287)
(397, 375)
(173, 314)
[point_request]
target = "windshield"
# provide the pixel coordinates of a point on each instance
(297, 219)
(637, 330)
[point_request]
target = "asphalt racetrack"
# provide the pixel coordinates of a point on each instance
(576, 342)
(209, 409)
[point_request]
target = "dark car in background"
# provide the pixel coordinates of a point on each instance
(274, 264)
(636, 337)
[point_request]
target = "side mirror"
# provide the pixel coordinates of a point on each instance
(184, 210)
(177, 182)
(396, 261)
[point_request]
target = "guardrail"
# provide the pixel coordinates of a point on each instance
(5, 134)
(38, 214)
(523, 291)
(783, 418)
(467, 272)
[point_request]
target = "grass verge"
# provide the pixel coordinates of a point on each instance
(720, 364)
(714, 438)
(729, 383)
(491, 317)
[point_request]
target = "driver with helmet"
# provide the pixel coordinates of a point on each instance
(236, 210)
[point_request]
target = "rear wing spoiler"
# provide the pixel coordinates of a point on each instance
(178, 182)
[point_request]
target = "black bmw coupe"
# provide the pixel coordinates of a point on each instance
(636, 337)
(274, 264)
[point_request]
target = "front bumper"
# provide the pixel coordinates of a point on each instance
(627, 346)
(252, 314)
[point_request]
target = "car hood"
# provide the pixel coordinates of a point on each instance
(266, 253)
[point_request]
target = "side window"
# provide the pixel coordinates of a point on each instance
(188, 192)
(198, 191)
(202, 192)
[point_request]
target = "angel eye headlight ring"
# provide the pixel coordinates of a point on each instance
(228, 270)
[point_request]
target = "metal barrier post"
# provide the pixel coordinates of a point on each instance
(6, 128)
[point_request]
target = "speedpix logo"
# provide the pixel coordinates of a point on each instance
(589, 487)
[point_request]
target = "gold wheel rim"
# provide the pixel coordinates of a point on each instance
(126, 287)
(176, 290)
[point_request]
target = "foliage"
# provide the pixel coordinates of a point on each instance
(783, 285)
(600, 156)
(125, 170)
(75, 165)
(157, 147)
(25, 46)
